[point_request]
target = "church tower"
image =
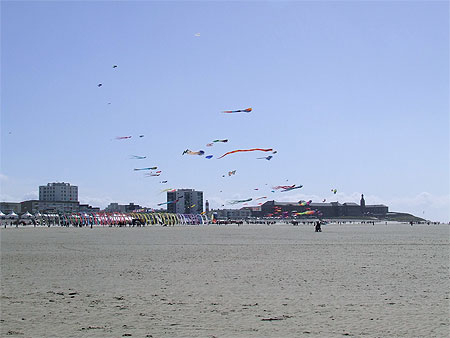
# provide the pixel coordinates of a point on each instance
(362, 204)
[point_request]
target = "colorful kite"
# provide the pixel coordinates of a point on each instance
(151, 168)
(232, 173)
(283, 187)
(304, 203)
(244, 150)
(260, 198)
(223, 141)
(135, 157)
(209, 144)
(170, 202)
(248, 110)
(268, 158)
(190, 152)
(209, 157)
(292, 188)
(334, 191)
(122, 137)
(168, 190)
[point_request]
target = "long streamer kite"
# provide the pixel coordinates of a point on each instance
(135, 157)
(245, 150)
(239, 201)
(292, 188)
(170, 202)
(209, 157)
(248, 110)
(260, 198)
(268, 158)
(223, 141)
(151, 168)
(122, 137)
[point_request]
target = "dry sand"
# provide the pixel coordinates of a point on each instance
(228, 281)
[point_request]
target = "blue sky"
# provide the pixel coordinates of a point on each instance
(352, 95)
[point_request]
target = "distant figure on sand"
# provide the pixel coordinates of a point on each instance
(317, 226)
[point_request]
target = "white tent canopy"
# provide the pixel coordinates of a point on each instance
(27, 215)
(2, 214)
(12, 215)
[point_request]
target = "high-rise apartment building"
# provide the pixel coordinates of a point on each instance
(58, 192)
(189, 201)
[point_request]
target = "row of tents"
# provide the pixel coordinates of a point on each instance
(107, 219)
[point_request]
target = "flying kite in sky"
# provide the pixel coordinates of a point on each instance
(168, 190)
(232, 173)
(244, 150)
(292, 188)
(153, 175)
(209, 157)
(151, 168)
(223, 141)
(324, 200)
(170, 202)
(190, 152)
(163, 182)
(122, 137)
(239, 201)
(115, 66)
(141, 135)
(197, 34)
(283, 187)
(135, 157)
(99, 85)
(304, 203)
(248, 110)
(268, 158)
(260, 198)
(209, 144)
(334, 191)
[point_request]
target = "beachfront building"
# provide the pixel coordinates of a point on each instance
(189, 201)
(232, 213)
(333, 209)
(116, 207)
(58, 192)
(8, 207)
(34, 206)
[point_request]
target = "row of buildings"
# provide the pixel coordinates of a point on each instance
(63, 198)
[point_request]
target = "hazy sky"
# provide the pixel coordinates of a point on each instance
(352, 95)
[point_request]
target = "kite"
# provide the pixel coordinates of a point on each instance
(115, 66)
(239, 201)
(304, 203)
(268, 158)
(122, 137)
(292, 188)
(248, 110)
(163, 182)
(334, 191)
(203, 212)
(135, 157)
(223, 141)
(309, 212)
(190, 152)
(153, 175)
(193, 205)
(197, 34)
(209, 157)
(209, 144)
(324, 200)
(170, 202)
(99, 85)
(232, 173)
(283, 187)
(256, 189)
(260, 198)
(168, 190)
(141, 135)
(151, 168)
(244, 150)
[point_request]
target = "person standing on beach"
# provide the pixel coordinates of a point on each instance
(317, 227)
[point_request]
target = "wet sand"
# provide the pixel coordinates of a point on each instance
(227, 281)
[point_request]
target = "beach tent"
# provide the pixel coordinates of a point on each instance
(2, 215)
(12, 215)
(27, 215)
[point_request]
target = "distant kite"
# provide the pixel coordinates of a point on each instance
(239, 201)
(324, 200)
(170, 202)
(153, 175)
(244, 150)
(209, 144)
(268, 158)
(115, 66)
(232, 173)
(197, 34)
(248, 110)
(292, 188)
(141, 135)
(151, 168)
(283, 187)
(99, 85)
(209, 157)
(224, 141)
(260, 198)
(163, 182)
(304, 203)
(122, 137)
(135, 157)
(190, 152)
(334, 191)
(168, 190)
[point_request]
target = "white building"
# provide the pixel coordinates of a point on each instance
(189, 201)
(58, 192)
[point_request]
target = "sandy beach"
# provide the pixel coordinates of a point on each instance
(226, 281)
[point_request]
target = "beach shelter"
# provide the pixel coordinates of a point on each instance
(12, 215)
(2, 215)
(27, 215)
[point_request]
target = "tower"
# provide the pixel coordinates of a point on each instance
(362, 204)
(207, 207)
